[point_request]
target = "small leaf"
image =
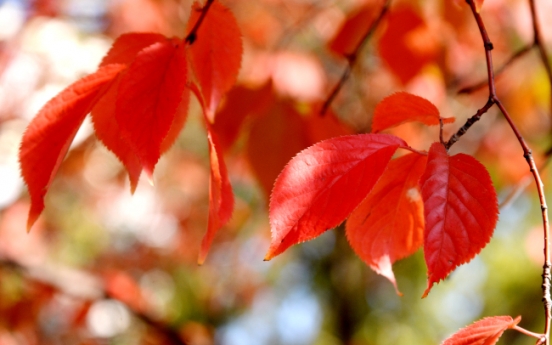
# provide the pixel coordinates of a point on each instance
(215, 54)
(221, 199)
(148, 98)
(353, 29)
(403, 107)
(50, 133)
(323, 184)
(388, 225)
(460, 208)
(486, 331)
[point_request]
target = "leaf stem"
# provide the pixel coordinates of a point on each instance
(529, 333)
(192, 36)
(352, 58)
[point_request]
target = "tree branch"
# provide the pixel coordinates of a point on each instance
(493, 99)
(352, 58)
(192, 35)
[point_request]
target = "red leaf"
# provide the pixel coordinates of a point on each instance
(403, 107)
(461, 211)
(48, 136)
(354, 28)
(483, 332)
(108, 131)
(148, 98)
(388, 225)
(324, 127)
(216, 53)
(221, 199)
(274, 138)
(404, 45)
(127, 46)
(323, 184)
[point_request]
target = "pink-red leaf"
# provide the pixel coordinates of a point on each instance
(486, 331)
(215, 54)
(388, 225)
(403, 107)
(148, 98)
(460, 208)
(221, 199)
(323, 184)
(50, 133)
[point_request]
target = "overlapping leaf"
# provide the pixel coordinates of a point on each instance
(403, 107)
(483, 332)
(51, 132)
(216, 54)
(323, 184)
(388, 225)
(460, 208)
(354, 28)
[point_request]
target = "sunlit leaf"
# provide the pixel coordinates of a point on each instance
(323, 184)
(486, 331)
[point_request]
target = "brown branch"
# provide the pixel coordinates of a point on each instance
(499, 71)
(493, 99)
(89, 288)
(352, 58)
(539, 42)
(192, 36)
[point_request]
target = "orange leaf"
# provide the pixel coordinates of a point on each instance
(460, 208)
(400, 45)
(216, 53)
(221, 199)
(486, 331)
(388, 225)
(274, 138)
(403, 107)
(149, 96)
(353, 29)
(323, 184)
(48, 136)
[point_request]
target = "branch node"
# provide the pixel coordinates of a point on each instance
(489, 46)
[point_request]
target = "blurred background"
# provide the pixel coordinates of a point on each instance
(103, 266)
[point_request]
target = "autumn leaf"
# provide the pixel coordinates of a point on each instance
(148, 98)
(215, 55)
(278, 134)
(460, 208)
(50, 133)
(486, 331)
(388, 225)
(127, 46)
(403, 107)
(402, 46)
(221, 199)
(353, 29)
(323, 184)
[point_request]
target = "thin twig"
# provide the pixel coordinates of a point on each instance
(499, 71)
(539, 42)
(493, 99)
(352, 58)
(192, 36)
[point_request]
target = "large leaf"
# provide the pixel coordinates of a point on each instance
(460, 208)
(51, 132)
(483, 332)
(148, 98)
(215, 54)
(323, 184)
(221, 199)
(388, 225)
(403, 107)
